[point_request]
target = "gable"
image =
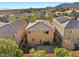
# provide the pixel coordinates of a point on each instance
(39, 26)
(7, 29)
(6, 32)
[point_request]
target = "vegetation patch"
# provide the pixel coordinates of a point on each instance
(9, 48)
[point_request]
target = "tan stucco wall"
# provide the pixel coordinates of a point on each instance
(38, 35)
(70, 38)
(74, 36)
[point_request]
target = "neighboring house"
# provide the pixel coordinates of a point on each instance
(39, 31)
(20, 15)
(58, 13)
(18, 25)
(72, 12)
(67, 31)
(40, 14)
(4, 18)
(6, 31)
(50, 13)
(10, 30)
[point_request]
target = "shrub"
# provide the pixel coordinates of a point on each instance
(61, 52)
(12, 18)
(19, 53)
(46, 43)
(9, 48)
(32, 51)
(40, 53)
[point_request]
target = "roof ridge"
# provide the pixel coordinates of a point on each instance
(37, 23)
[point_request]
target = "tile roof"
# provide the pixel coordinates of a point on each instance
(19, 15)
(73, 24)
(15, 25)
(70, 11)
(3, 24)
(62, 19)
(18, 24)
(39, 21)
(68, 22)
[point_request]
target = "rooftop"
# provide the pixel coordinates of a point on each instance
(68, 22)
(3, 24)
(19, 15)
(39, 21)
(70, 11)
(62, 19)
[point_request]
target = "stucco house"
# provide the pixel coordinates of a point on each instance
(40, 30)
(67, 31)
(6, 31)
(21, 15)
(40, 14)
(72, 12)
(50, 13)
(10, 30)
(58, 13)
(3, 18)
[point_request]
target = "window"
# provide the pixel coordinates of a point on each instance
(41, 42)
(70, 31)
(46, 32)
(69, 38)
(13, 35)
(29, 32)
(33, 39)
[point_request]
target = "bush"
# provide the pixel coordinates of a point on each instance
(12, 18)
(46, 43)
(32, 51)
(40, 53)
(9, 48)
(61, 52)
(19, 53)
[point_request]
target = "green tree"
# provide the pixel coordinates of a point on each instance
(61, 52)
(50, 18)
(46, 43)
(24, 18)
(12, 18)
(9, 48)
(33, 18)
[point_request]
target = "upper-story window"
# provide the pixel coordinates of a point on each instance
(69, 38)
(33, 39)
(46, 32)
(13, 35)
(70, 31)
(29, 32)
